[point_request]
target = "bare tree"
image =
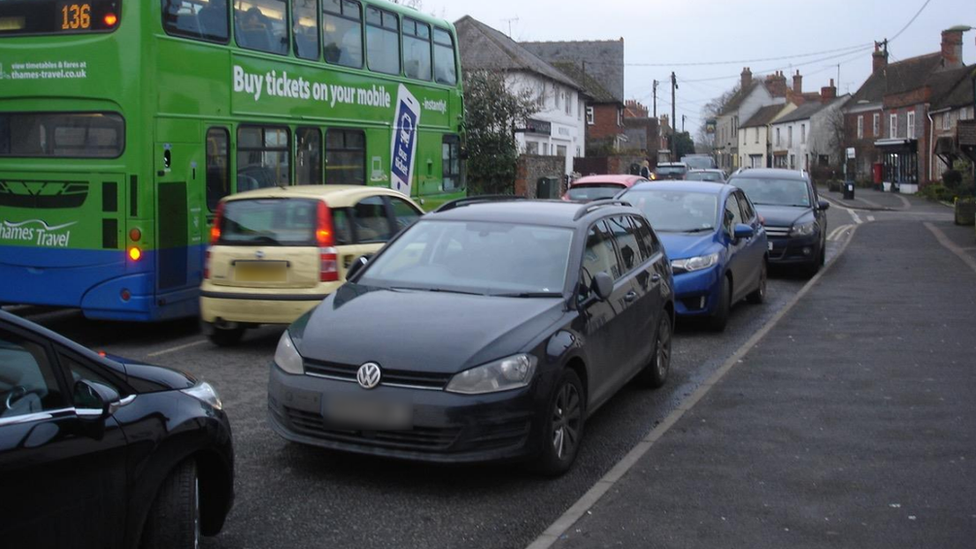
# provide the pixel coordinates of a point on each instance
(711, 111)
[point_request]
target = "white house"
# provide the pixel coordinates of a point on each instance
(558, 128)
(754, 144)
(812, 134)
(751, 96)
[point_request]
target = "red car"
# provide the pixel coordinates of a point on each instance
(597, 187)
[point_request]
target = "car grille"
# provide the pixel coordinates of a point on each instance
(418, 438)
(391, 378)
(778, 232)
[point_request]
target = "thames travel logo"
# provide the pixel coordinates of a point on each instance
(37, 232)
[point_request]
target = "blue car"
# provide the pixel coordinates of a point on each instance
(716, 243)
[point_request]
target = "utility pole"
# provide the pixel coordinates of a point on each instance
(683, 123)
(674, 122)
(655, 98)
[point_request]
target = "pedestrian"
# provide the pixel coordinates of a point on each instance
(645, 170)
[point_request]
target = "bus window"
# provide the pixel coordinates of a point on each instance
(342, 23)
(345, 157)
(261, 25)
(308, 159)
(64, 135)
(263, 157)
(382, 41)
(416, 49)
(445, 67)
(451, 162)
(198, 19)
(218, 167)
(305, 28)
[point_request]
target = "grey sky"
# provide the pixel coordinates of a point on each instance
(688, 31)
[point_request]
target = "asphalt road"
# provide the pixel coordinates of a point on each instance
(291, 496)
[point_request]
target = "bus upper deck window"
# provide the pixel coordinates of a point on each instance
(199, 19)
(445, 65)
(262, 25)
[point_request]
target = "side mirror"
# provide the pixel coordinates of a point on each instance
(95, 400)
(743, 231)
(356, 266)
(602, 286)
(823, 205)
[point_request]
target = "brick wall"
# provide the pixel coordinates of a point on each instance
(604, 123)
(531, 168)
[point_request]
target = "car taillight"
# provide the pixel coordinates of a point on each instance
(206, 266)
(329, 256)
(215, 229)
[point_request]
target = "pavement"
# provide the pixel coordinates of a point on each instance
(850, 423)
(869, 199)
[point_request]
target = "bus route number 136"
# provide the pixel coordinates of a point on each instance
(75, 16)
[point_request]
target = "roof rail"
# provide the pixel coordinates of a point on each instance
(469, 200)
(596, 205)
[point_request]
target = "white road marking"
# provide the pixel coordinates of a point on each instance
(870, 218)
(854, 216)
(582, 506)
(177, 348)
(836, 233)
(951, 246)
(908, 205)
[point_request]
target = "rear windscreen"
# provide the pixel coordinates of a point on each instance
(24, 17)
(595, 191)
(62, 135)
(269, 222)
(671, 170)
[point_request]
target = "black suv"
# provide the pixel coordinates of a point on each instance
(485, 331)
(795, 217)
(99, 452)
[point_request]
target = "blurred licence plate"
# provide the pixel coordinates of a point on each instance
(770, 246)
(369, 414)
(260, 271)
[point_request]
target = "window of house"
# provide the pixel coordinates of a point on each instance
(757, 135)
(876, 122)
(445, 67)
(557, 97)
(946, 122)
(569, 104)
(911, 125)
(345, 157)
(860, 127)
(263, 26)
(218, 166)
(560, 150)
(416, 49)
(200, 19)
(263, 157)
(792, 161)
(893, 126)
(589, 116)
(778, 140)
(308, 156)
(382, 41)
(789, 136)
(342, 26)
(532, 148)
(620, 117)
(803, 134)
(305, 28)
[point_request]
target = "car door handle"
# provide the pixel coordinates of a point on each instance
(631, 296)
(655, 278)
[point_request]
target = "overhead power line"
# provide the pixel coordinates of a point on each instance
(920, 10)
(741, 61)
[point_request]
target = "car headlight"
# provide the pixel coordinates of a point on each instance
(205, 392)
(805, 229)
(694, 264)
(506, 374)
(287, 357)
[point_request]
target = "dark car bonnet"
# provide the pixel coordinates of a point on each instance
(782, 216)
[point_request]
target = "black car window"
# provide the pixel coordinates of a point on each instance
(733, 215)
(645, 238)
(372, 224)
(626, 236)
(27, 381)
(748, 213)
(599, 256)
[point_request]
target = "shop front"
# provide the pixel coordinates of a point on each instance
(899, 160)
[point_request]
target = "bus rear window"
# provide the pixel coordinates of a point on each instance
(62, 135)
(25, 17)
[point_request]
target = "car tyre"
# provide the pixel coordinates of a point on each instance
(758, 297)
(174, 518)
(226, 337)
(655, 373)
(720, 318)
(563, 431)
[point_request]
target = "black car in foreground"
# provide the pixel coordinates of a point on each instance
(99, 452)
(795, 217)
(486, 331)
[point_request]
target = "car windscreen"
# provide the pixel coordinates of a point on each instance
(703, 176)
(269, 222)
(474, 257)
(594, 191)
(671, 170)
(676, 211)
(774, 192)
(699, 162)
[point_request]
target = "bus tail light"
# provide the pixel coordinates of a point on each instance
(110, 19)
(328, 255)
(135, 254)
(215, 229)
(135, 235)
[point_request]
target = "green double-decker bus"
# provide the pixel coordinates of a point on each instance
(123, 123)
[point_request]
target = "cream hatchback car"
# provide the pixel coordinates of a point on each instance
(277, 253)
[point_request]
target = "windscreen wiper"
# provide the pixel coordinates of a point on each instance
(529, 294)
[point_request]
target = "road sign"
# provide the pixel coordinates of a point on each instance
(850, 153)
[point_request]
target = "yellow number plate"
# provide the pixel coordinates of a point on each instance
(260, 271)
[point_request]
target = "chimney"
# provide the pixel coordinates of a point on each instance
(746, 78)
(828, 93)
(797, 83)
(952, 47)
(777, 84)
(879, 59)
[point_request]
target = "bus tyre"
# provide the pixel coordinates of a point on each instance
(226, 337)
(174, 519)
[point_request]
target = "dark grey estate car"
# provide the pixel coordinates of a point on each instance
(485, 331)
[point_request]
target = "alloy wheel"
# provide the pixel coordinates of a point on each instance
(663, 358)
(566, 417)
